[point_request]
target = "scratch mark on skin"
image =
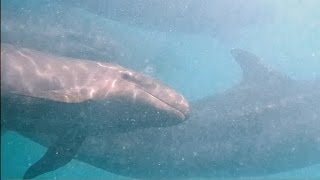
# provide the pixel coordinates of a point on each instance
(113, 83)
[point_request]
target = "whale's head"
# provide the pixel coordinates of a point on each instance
(107, 94)
(143, 100)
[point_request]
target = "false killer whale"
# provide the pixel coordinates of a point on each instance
(268, 123)
(73, 99)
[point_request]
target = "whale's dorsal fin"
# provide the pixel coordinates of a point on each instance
(254, 71)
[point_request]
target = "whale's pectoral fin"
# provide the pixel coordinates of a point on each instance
(57, 155)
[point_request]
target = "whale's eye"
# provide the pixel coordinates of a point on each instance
(139, 80)
(126, 76)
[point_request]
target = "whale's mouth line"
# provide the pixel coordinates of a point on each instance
(169, 105)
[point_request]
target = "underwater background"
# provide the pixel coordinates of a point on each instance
(184, 53)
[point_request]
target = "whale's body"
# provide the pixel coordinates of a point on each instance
(72, 99)
(268, 123)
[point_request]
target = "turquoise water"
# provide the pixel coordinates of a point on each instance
(17, 152)
(289, 41)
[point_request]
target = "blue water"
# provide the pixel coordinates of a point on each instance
(289, 41)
